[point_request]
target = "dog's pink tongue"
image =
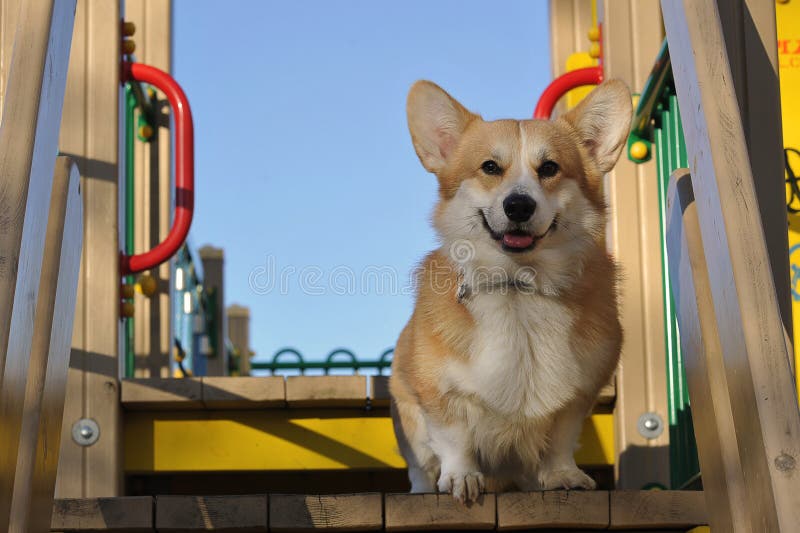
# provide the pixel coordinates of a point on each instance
(517, 241)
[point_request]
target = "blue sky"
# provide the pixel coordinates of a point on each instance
(304, 167)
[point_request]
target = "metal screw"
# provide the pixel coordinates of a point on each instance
(650, 425)
(85, 432)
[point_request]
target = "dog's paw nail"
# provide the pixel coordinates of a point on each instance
(465, 487)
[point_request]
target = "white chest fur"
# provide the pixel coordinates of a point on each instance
(521, 364)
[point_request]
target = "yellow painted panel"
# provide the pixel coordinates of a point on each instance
(288, 440)
(788, 26)
(597, 441)
(700, 529)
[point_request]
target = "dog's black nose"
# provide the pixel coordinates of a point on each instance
(519, 207)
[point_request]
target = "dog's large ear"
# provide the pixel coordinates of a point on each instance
(603, 121)
(436, 121)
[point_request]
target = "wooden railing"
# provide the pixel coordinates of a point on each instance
(40, 244)
(727, 252)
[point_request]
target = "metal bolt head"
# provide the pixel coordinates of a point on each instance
(85, 432)
(650, 425)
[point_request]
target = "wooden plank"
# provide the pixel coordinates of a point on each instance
(211, 513)
(238, 318)
(90, 134)
(431, 512)
(9, 10)
(762, 395)
(656, 509)
(37, 461)
(326, 391)
(749, 29)
(158, 393)
(569, 22)
(557, 509)
(33, 100)
(339, 512)
(124, 514)
(379, 391)
(244, 392)
(723, 479)
(632, 36)
(213, 279)
(152, 333)
(73, 140)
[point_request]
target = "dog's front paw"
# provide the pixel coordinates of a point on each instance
(566, 478)
(464, 486)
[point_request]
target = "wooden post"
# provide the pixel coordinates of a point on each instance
(632, 36)
(749, 29)
(37, 460)
(153, 333)
(723, 479)
(213, 278)
(90, 135)
(32, 102)
(762, 397)
(239, 333)
(569, 26)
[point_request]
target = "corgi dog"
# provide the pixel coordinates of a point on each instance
(515, 327)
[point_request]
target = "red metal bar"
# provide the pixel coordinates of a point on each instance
(562, 85)
(184, 168)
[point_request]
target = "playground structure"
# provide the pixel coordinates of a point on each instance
(158, 434)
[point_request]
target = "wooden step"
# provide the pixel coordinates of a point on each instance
(236, 393)
(306, 423)
(572, 510)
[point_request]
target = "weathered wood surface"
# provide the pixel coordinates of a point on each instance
(128, 514)
(32, 104)
(656, 509)
(211, 513)
(749, 29)
(326, 391)
(762, 395)
(214, 273)
(379, 391)
(37, 461)
(336, 512)
(90, 135)
(244, 392)
(430, 512)
(152, 191)
(714, 430)
(157, 393)
(556, 509)
(631, 37)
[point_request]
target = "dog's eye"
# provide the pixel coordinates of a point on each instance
(548, 169)
(491, 168)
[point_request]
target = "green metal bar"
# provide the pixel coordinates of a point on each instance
(142, 100)
(320, 365)
(353, 363)
(130, 136)
(641, 126)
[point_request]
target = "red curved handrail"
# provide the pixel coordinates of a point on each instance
(184, 168)
(562, 85)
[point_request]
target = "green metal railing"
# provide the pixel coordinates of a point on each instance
(135, 98)
(657, 123)
(650, 98)
(352, 362)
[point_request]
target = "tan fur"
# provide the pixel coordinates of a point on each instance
(496, 386)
